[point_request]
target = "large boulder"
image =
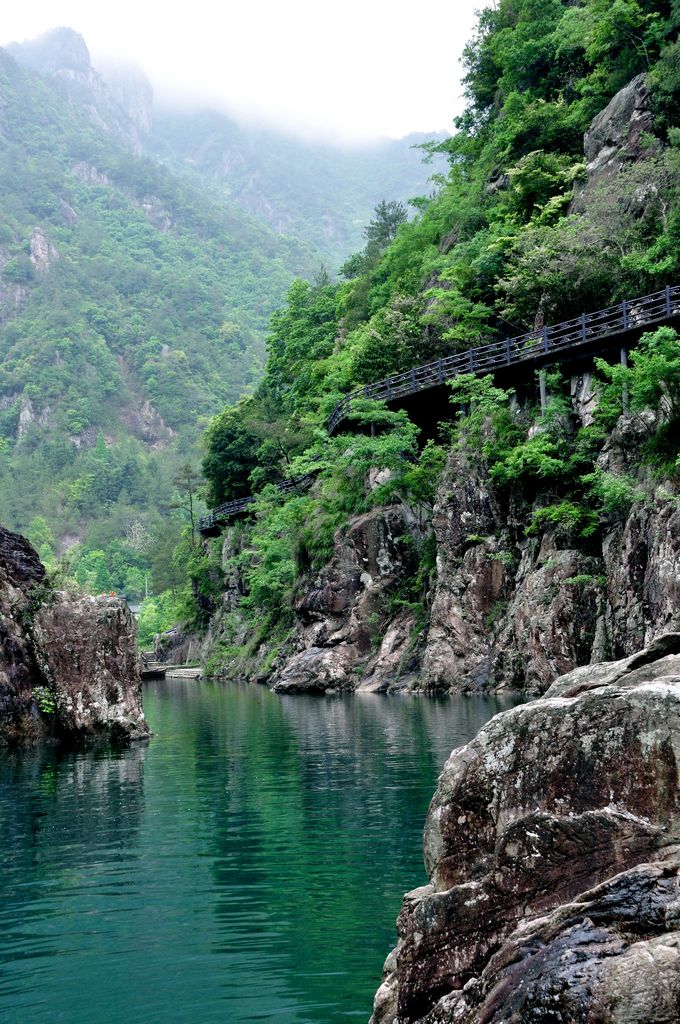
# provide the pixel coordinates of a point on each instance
(347, 636)
(552, 851)
(615, 134)
(68, 664)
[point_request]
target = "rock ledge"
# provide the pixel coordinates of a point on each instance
(552, 850)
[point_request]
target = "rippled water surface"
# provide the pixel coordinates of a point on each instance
(247, 865)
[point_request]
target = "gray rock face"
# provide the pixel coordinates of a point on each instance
(614, 135)
(513, 612)
(68, 666)
(42, 252)
(341, 639)
(618, 137)
(551, 846)
(504, 612)
(89, 645)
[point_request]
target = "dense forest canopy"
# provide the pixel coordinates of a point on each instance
(524, 229)
(134, 301)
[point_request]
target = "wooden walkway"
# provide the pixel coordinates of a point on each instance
(585, 333)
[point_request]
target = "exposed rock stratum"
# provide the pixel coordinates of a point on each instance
(552, 851)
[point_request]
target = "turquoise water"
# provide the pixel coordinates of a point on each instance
(247, 865)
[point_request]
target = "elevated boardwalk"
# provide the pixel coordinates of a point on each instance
(586, 335)
(210, 525)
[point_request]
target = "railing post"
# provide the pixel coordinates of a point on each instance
(668, 300)
(389, 389)
(508, 351)
(366, 391)
(583, 327)
(624, 306)
(440, 371)
(545, 339)
(471, 359)
(413, 379)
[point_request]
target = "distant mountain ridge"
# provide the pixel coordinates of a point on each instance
(318, 193)
(63, 55)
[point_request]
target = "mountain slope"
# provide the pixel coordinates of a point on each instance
(319, 193)
(132, 306)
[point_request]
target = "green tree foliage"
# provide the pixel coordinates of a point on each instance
(515, 236)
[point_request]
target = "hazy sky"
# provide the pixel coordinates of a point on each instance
(351, 69)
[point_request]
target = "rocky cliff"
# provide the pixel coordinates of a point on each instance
(509, 605)
(515, 611)
(552, 851)
(505, 610)
(68, 665)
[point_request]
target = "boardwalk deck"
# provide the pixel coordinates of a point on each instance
(586, 333)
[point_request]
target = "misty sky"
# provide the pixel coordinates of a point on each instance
(344, 70)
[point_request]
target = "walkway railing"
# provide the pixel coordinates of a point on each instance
(217, 516)
(559, 340)
(564, 337)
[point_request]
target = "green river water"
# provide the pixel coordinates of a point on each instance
(246, 865)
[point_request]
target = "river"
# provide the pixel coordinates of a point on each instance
(246, 865)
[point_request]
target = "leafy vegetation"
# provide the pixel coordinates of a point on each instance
(516, 236)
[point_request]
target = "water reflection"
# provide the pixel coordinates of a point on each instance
(247, 865)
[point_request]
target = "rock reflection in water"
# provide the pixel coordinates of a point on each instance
(247, 865)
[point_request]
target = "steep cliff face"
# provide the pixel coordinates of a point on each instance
(341, 641)
(552, 850)
(68, 665)
(350, 632)
(506, 610)
(512, 611)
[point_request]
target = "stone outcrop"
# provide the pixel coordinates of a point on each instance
(504, 612)
(614, 136)
(516, 612)
(552, 852)
(348, 634)
(618, 138)
(68, 665)
(42, 252)
(341, 640)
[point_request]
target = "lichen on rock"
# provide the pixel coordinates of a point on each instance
(552, 850)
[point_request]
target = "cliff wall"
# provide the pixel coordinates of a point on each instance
(504, 601)
(505, 608)
(68, 665)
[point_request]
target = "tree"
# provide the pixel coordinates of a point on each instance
(231, 449)
(379, 233)
(382, 230)
(187, 481)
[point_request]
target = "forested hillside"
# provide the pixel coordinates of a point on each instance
(321, 194)
(133, 305)
(533, 224)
